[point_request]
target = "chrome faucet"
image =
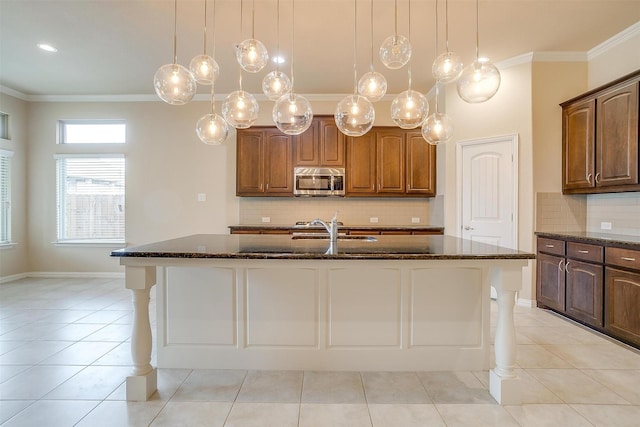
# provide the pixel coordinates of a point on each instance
(332, 227)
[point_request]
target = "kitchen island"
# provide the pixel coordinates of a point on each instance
(303, 302)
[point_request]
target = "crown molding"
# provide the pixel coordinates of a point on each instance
(14, 93)
(614, 41)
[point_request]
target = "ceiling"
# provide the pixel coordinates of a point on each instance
(113, 47)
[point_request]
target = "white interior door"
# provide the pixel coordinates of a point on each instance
(488, 188)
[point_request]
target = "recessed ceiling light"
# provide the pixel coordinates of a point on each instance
(47, 47)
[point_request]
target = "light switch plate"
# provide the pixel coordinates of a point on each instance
(202, 197)
(415, 220)
(373, 220)
(605, 225)
(266, 219)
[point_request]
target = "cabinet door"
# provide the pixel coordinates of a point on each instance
(307, 146)
(390, 146)
(278, 163)
(578, 147)
(361, 165)
(250, 168)
(331, 143)
(550, 289)
(584, 291)
(617, 137)
(421, 165)
(622, 299)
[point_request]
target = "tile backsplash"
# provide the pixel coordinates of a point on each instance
(352, 211)
(558, 212)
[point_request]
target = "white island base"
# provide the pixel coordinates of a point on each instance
(384, 315)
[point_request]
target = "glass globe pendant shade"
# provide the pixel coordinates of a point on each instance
(355, 115)
(438, 128)
(240, 109)
(212, 129)
(252, 55)
(478, 82)
(447, 67)
(275, 84)
(292, 114)
(174, 84)
(409, 109)
(373, 86)
(204, 69)
(395, 52)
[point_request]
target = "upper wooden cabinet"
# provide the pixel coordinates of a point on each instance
(389, 162)
(264, 163)
(600, 139)
(320, 145)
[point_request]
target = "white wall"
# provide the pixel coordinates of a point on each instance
(14, 260)
(615, 58)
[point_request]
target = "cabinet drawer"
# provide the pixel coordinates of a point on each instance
(550, 246)
(627, 258)
(584, 252)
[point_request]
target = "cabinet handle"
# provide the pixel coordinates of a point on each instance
(627, 258)
(550, 246)
(267, 186)
(582, 252)
(566, 267)
(589, 178)
(560, 265)
(598, 178)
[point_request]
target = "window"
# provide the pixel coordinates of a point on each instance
(90, 198)
(4, 126)
(5, 196)
(92, 131)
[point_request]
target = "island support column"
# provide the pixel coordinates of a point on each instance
(143, 380)
(504, 385)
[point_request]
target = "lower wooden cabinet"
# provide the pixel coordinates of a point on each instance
(584, 291)
(622, 304)
(551, 281)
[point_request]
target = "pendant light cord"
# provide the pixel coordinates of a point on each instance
(175, 31)
(213, 55)
(355, 58)
(477, 30)
(293, 30)
(446, 24)
(436, 54)
(409, 33)
(372, 36)
(204, 49)
(253, 18)
(395, 13)
(278, 35)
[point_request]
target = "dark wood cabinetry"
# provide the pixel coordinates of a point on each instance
(264, 163)
(320, 145)
(391, 162)
(600, 139)
(598, 285)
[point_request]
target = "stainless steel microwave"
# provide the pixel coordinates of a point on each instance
(318, 181)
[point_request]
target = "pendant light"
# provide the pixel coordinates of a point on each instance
(372, 85)
(355, 114)
(438, 128)
(410, 108)
(276, 83)
(174, 83)
(211, 128)
(395, 51)
(203, 67)
(480, 80)
(240, 109)
(252, 54)
(448, 66)
(292, 113)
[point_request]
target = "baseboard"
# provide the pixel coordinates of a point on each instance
(13, 277)
(64, 275)
(526, 302)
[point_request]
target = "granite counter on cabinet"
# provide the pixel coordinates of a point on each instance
(280, 302)
(608, 239)
(347, 229)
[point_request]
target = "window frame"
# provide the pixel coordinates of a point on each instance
(5, 131)
(62, 131)
(5, 211)
(60, 200)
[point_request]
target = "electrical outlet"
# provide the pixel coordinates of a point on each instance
(415, 220)
(373, 220)
(605, 225)
(266, 219)
(202, 197)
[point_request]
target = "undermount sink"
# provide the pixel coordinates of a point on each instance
(318, 236)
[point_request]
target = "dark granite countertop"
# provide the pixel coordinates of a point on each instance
(266, 246)
(348, 227)
(618, 240)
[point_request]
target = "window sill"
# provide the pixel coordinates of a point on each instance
(91, 243)
(8, 245)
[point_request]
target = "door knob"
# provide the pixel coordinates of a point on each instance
(467, 227)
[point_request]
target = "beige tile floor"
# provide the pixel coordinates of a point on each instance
(64, 354)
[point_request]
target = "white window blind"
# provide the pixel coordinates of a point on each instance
(5, 196)
(90, 198)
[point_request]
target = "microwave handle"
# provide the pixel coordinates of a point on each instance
(332, 183)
